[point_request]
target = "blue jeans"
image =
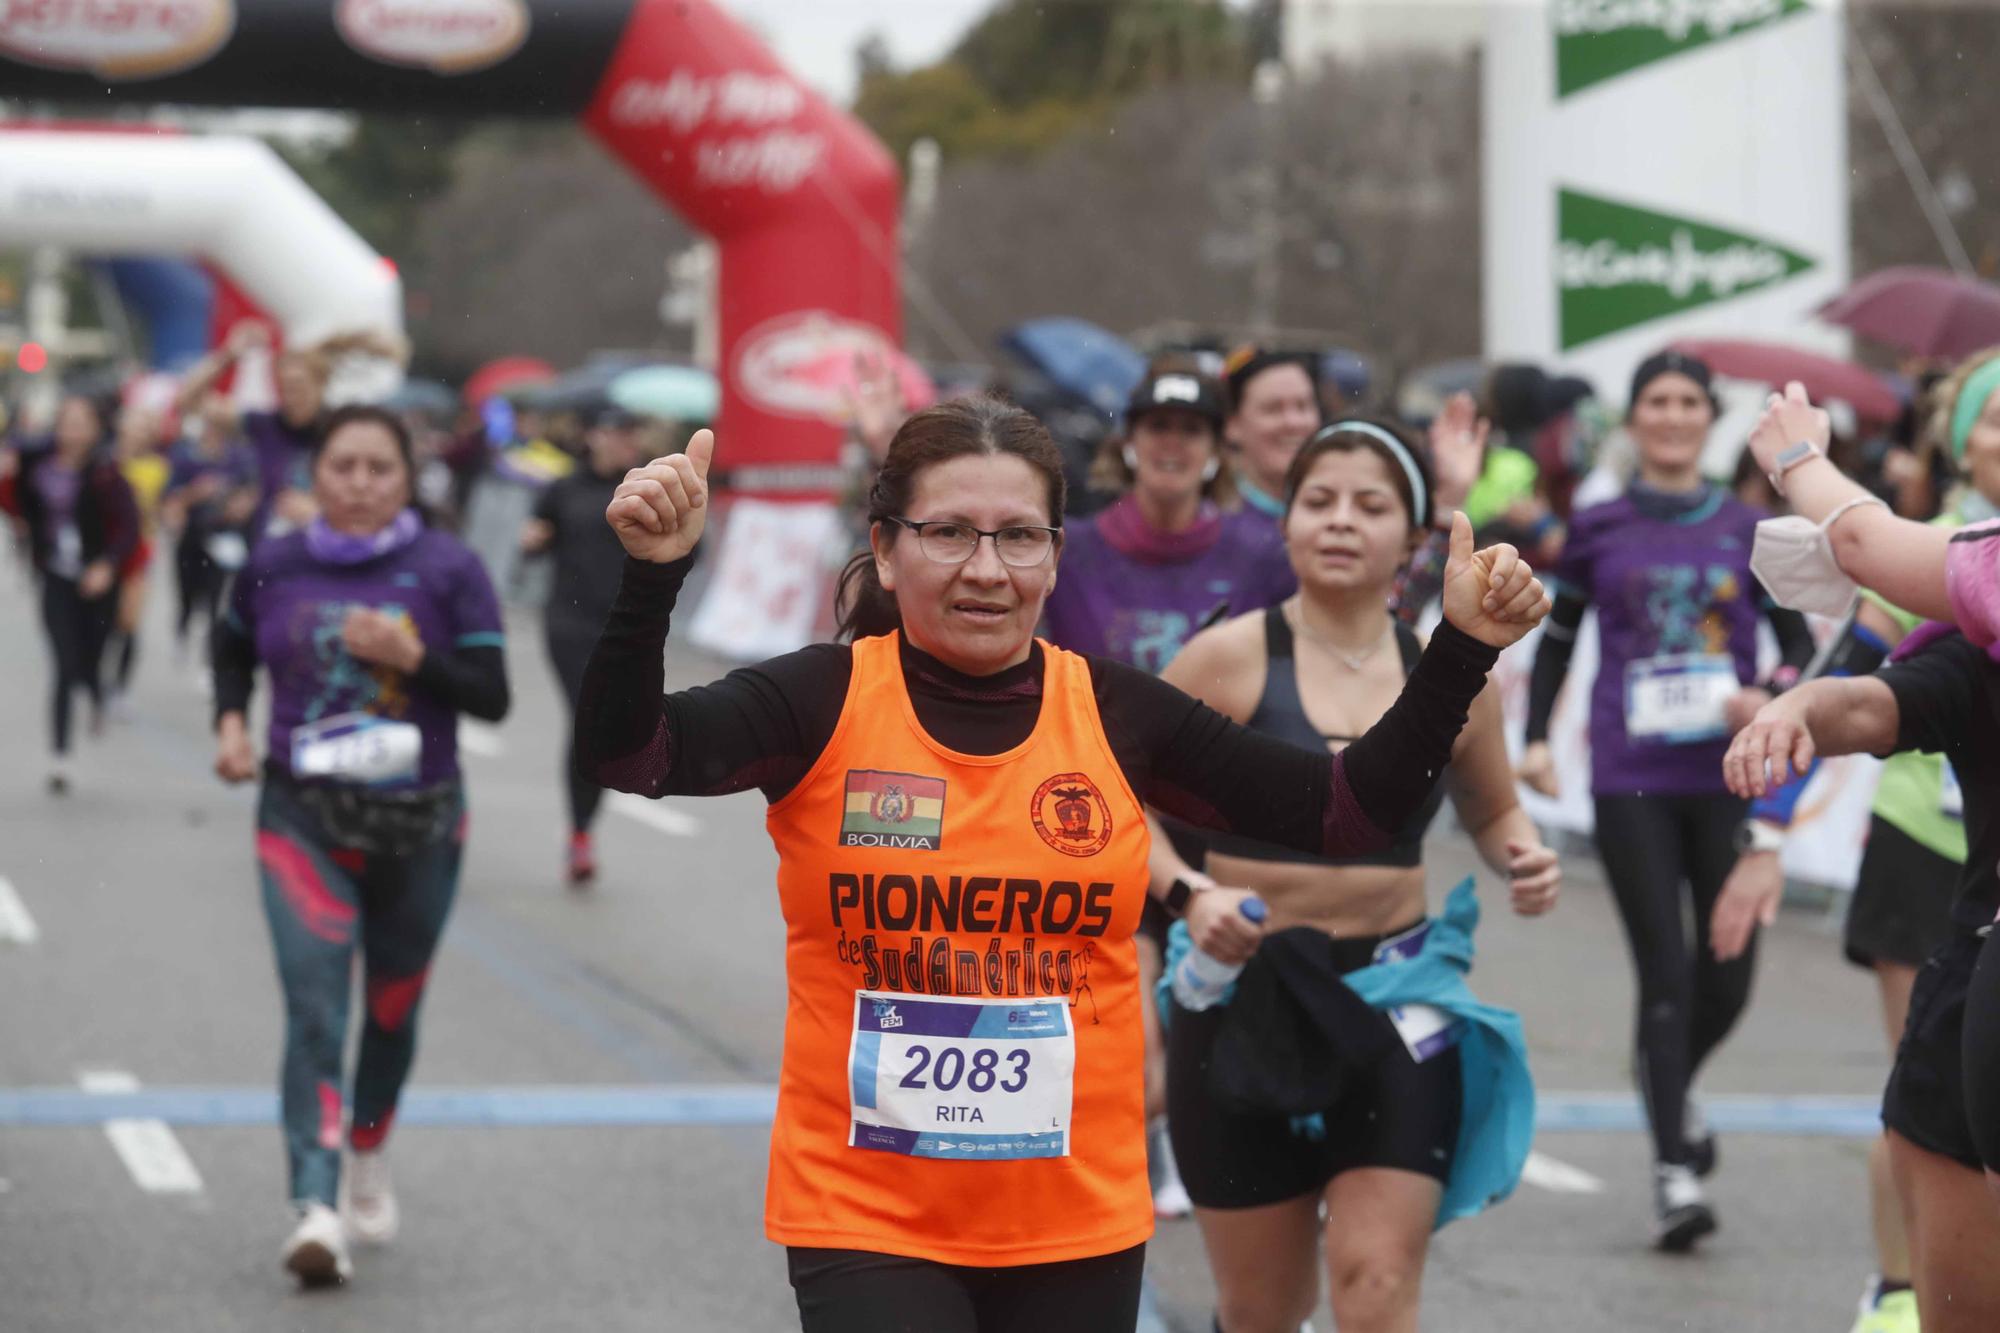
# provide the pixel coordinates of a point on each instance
(322, 900)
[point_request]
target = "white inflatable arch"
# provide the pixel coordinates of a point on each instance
(230, 201)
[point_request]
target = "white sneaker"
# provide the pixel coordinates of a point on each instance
(317, 1250)
(1682, 1206)
(368, 1199)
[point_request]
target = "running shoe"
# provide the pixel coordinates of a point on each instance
(1684, 1214)
(1700, 1139)
(316, 1252)
(368, 1200)
(582, 861)
(1893, 1313)
(60, 776)
(1170, 1196)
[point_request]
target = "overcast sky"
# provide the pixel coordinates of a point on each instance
(816, 38)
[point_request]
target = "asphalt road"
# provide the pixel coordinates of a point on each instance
(583, 1145)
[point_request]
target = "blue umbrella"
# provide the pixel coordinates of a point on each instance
(1079, 358)
(677, 393)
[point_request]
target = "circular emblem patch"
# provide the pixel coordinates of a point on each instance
(1070, 814)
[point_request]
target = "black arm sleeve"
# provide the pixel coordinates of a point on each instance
(761, 726)
(1795, 643)
(1205, 769)
(472, 680)
(232, 657)
(1552, 663)
(1857, 653)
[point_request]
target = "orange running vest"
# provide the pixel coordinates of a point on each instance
(962, 1075)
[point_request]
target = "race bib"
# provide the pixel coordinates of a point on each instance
(357, 747)
(962, 1079)
(1951, 798)
(228, 550)
(1679, 699)
(1426, 1030)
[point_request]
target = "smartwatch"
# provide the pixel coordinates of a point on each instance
(1759, 835)
(1178, 895)
(1802, 452)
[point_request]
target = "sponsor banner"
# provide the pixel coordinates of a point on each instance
(1618, 265)
(443, 36)
(1599, 40)
(132, 39)
(771, 578)
(1657, 170)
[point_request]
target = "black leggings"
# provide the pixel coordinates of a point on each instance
(569, 648)
(858, 1291)
(77, 628)
(1688, 1002)
(197, 578)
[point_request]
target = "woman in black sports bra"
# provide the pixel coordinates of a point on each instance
(1318, 669)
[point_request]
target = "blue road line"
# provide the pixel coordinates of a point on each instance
(670, 1104)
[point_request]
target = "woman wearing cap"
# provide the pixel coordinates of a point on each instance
(568, 526)
(1173, 554)
(1941, 1109)
(377, 632)
(1667, 565)
(959, 1144)
(1414, 1134)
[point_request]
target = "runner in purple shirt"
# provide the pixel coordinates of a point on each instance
(1667, 565)
(377, 632)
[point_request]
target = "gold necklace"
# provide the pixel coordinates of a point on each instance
(1352, 661)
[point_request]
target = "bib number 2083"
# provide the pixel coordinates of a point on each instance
(961, 1079)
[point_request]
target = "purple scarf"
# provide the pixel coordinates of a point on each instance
(1125, 528)
(331, 547)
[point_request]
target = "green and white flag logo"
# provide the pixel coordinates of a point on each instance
(1617, 266)
(1602, 39)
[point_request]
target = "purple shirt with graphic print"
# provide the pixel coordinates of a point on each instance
(293, 606)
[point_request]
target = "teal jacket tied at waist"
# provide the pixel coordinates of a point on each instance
(1497, 1123)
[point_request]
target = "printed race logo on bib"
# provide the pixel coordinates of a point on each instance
(902, 810)
(1070, 814)
(964, 1079)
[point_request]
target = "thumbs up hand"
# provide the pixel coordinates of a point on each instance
(659, 510)
(1491, 594)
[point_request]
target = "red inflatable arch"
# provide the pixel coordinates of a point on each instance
(800, 199)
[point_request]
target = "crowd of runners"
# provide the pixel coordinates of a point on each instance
(1103, 718)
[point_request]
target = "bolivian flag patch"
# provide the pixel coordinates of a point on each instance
(903, 810)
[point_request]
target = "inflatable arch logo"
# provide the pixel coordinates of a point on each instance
(133, 39)
(452, 37)
(1617, 265)
(1597, 40)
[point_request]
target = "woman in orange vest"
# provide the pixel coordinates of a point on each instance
(959, 814)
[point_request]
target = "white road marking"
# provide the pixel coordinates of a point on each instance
(480, 738)
(1559, 1177)
(654, 815)
(155, 1158)
(16, 926)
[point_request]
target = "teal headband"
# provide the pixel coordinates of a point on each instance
(1979, 387)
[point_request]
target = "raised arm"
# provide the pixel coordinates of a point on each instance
(1898, 558)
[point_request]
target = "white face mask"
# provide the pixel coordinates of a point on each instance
(1793, 558)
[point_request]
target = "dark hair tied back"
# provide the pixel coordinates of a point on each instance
(955, 428)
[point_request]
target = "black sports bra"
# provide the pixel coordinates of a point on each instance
(1280, 712)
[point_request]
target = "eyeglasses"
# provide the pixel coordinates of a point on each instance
(1023, 546)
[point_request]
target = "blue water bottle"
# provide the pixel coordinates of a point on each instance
(1201, 981)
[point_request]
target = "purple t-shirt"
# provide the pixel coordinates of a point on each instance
(292, 606)
(1669, 581)
(1128, 592)
(187, 464)
(284, 458)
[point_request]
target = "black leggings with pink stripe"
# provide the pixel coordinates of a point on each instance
(323, 901)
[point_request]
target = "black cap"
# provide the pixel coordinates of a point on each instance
(1671, 362)
(1183, 389)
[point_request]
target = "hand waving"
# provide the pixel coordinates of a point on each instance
(659, 510)
(1458, 449)
(1491, 594)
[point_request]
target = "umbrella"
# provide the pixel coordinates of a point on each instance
(1775, 364)
(427, 396)
(677, 393)
(506, 373)
(584, 388)
(1079, 358)
(1926, 311)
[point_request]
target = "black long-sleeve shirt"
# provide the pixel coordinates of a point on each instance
(765, 726)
